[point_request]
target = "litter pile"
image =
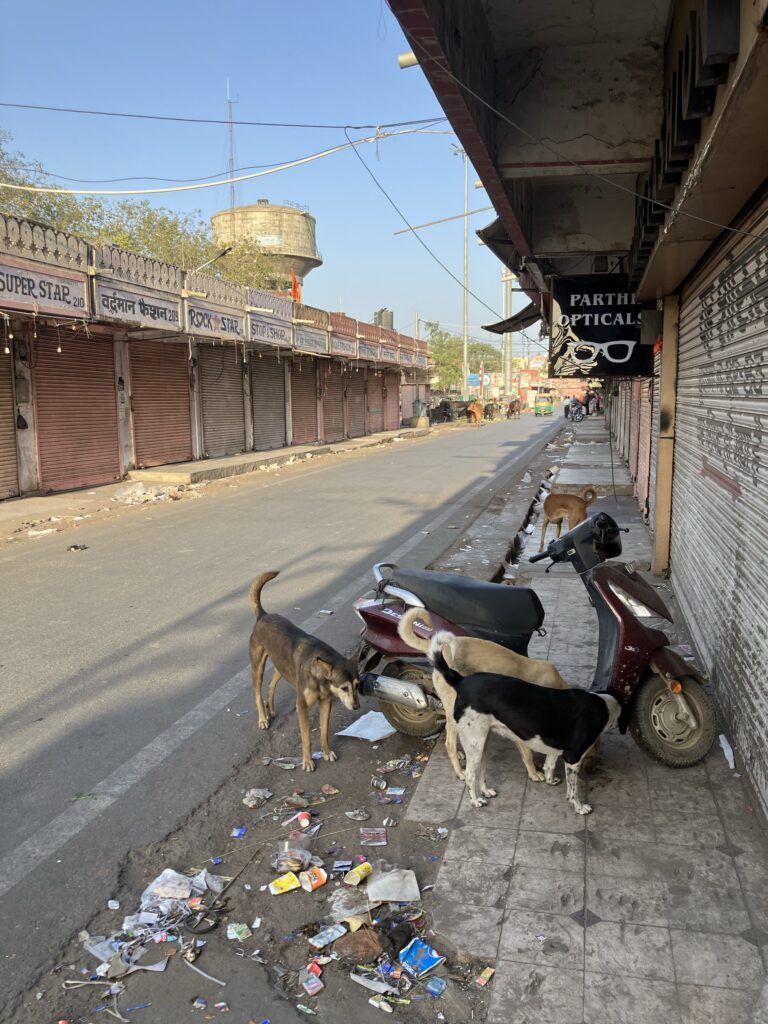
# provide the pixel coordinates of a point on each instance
(139, 494)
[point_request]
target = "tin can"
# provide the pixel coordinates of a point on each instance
(304, 819)
(313, 878)
(356, 875)
(377, 782)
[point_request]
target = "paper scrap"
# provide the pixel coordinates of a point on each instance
(372, 727)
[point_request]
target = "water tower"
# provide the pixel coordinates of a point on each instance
(286, 233)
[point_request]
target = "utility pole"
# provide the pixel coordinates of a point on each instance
(506, 297)
(231, 137)
(418, 325)
(466, 276)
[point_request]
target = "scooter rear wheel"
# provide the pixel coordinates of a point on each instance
(406, 721)
(659, 730)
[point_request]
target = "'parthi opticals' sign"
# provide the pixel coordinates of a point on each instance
(135, 307)
(596, 329)
(37, 289)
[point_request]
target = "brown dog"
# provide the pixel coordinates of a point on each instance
(566, 506)
(469, 654)
(316, 671)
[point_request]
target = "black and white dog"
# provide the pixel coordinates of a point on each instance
(551, 722)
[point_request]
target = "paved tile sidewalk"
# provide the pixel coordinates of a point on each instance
(653, 908)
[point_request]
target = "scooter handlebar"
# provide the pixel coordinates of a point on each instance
(539, 556)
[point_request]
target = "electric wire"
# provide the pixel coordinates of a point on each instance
(444, 69)
(215, 120)
(424, 245)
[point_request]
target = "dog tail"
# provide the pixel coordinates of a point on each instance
(437, 658)
(255, 592)
(589, 494)
(407, 633)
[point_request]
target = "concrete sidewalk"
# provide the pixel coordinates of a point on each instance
(652, 908)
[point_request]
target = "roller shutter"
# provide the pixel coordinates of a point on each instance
(356, 402)
(720, 481)
(221, 384)
(9, 469)
(644, 445)
(304, 400)
(268, 398)
(392, 401)
(655, 401)
(162, 428)
(375, 402)
(634, 428)
(333, 401)
(75, 411)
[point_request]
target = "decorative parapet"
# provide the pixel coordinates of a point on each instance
(27, 240)
(142, 270)
(222, 292)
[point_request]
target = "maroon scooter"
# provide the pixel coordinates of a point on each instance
(666, 708)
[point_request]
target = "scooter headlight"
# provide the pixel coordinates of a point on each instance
(642, 611)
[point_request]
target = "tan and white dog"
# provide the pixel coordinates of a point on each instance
(468, 655)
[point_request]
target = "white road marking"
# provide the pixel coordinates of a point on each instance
(52, 837)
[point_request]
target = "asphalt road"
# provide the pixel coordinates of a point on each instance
(121, 707)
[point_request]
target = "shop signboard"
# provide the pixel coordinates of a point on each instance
(269, 330)
(341, 346)
(307, 339)
(596, 329)
(368, 351)
(206, 320)
(388, 354)
(130, 305)
(35, 288)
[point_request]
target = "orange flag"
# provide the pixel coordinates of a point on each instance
(295, 288)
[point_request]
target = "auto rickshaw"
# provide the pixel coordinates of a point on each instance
(543, 406)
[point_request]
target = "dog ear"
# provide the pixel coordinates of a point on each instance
(322, 667)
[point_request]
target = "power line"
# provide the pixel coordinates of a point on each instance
(215, 120)
(210, 184)
(444, 69)
(420, 240)
(138, 177)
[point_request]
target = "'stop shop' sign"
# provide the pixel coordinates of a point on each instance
(596, 329)
(36, 289)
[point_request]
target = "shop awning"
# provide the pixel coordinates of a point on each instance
(517, 322)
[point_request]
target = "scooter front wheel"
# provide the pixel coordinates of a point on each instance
(678, 737)
(407, 721)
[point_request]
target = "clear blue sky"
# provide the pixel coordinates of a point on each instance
(331, 62)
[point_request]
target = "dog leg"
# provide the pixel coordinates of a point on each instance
(485, 789)
(474, 742)
(325, 718)
(452, 747)
(549, 770)
(530, 766)
(573, 781)
(276, 677)
(307, 764)
(257, 674)
(544, 526)
(589, 760)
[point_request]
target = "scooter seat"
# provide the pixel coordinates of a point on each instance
(492, 610)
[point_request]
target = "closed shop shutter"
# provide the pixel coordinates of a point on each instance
(392, 401)
(268, 397)
(76, 412)
(656, 398)
(333, 402)
(356, 402)
(9, 470)
(644, 446)
(304, 400)
(375, 402)
(720, 481)
(162, 428)
(634, 428)
(221, 384)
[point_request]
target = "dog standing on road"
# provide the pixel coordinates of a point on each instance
(566, 506)
(314, 669)
(552, 722)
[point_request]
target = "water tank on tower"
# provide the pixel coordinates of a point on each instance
(286, 233)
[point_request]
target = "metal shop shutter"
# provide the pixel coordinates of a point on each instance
(162, 428)
(76, 411)
(392, 401)
(375, 402)
(9, 469)
(221, 383)
(720, 481)
(268, 399)
(333, 401)
(655, 402)
(634, 428)
(304, 400)
(643, 446)
(356, 402)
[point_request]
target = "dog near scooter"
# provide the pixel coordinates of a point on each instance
(572, 507)
(316, 671)
(469, 654)
(552, 722)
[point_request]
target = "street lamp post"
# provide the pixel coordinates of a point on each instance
(465, 366)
